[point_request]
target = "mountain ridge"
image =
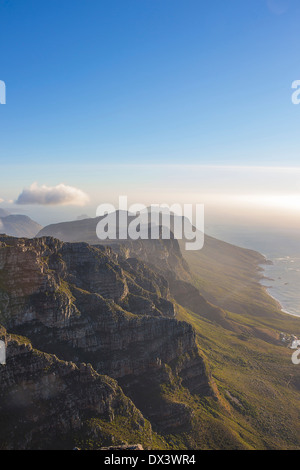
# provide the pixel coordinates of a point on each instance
(19, 226)
(78, 302)
(144, 323)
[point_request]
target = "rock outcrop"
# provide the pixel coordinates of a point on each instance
(89, 304)
(46, 402)
(163, 254)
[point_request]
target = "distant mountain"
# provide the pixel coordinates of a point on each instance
(223, 273)
(149, 251)
(19, 226)
(81, 230)
(4, 213)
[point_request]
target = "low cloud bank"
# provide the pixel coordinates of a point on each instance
(52, 195)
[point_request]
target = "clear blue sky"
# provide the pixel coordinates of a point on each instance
(144, 81)
(93, 82)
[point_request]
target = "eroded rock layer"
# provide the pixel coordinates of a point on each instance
(89, 304)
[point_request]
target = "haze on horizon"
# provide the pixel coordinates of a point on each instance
(232, 195)
(163, 101)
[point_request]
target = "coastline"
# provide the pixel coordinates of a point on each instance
(267, 289)
(280, 306)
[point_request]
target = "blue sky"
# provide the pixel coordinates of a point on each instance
(145, 82)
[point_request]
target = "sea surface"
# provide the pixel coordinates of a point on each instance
(282, 277)
(283, 282)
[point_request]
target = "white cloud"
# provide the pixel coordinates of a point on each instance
(1, 200)
(52, 195)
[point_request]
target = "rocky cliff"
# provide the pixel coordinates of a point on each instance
(46, 402)
(163, 254)
(90, 304)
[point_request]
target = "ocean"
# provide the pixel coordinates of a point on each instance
(282, 277)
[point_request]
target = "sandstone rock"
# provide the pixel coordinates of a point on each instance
(88, 304)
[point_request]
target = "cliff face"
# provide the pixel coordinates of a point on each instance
(18, 225)
(45, 401)
(89, 304)
(163, 254)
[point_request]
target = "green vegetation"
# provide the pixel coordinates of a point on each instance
(258, 383)
(256, 400)
(119, 431)
(65, 289)
(228, 276)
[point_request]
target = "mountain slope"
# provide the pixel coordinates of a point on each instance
(4, 213)
(225, 275)
(89, 304)
(228, 276)
(255, 375)
(46, 402)
(19, 226)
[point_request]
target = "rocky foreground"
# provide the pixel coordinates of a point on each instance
(92, 345)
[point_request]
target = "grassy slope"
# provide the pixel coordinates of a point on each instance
(228, 276)
(258, 381)
(259, 386)
(253, 371)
